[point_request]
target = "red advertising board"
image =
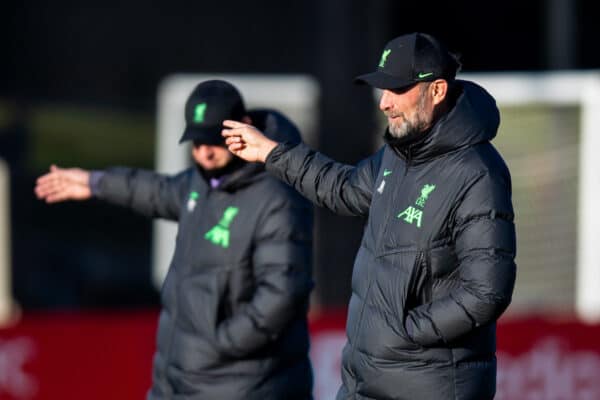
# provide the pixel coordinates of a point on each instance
(78, 356)
(548, 360)
(109, 355)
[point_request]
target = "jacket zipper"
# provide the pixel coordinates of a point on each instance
(378, 244)
(408, 159)
(378, 248)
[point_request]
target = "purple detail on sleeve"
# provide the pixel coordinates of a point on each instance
(95, 178)
(214, 183)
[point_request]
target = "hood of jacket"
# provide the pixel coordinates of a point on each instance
(473, 119)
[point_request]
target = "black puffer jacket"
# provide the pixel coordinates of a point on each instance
(233, 323)
(436, 265)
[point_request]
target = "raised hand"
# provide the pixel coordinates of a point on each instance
(62, 184)
(247, 142)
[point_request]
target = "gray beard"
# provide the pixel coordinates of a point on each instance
(404, 130)
(408, 128)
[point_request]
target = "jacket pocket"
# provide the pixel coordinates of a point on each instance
(388, 302)
(203, 301)
(419, 290)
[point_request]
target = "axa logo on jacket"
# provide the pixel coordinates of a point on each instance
(412, 214)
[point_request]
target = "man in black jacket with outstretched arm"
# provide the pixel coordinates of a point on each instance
(233, 323)
(435, 268)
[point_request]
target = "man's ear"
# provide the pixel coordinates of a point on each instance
(247, 120)
(439, 90)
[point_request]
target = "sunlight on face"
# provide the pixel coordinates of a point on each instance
(408, 111)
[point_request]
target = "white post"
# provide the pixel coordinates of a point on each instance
(588, 250)
(6, 300)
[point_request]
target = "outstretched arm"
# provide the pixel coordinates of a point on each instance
(145, 192)
(62, 184)
(343, 189)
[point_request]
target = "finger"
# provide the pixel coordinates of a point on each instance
(43, 179)
(233, 124)
(49, 183)
(41, 191)
(60, 192)
(45, 192)
(49, 177)
(45, 185)
(56, 197)
(53, 185)
(236, 147)
(233, 139)
(233, 132)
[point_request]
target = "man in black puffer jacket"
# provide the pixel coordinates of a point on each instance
(233, 323)
(435, 268)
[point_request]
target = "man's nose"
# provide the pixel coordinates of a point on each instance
(205, 151)
(385, 100)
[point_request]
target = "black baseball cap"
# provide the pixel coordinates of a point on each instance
(409, 59)
(209, 104)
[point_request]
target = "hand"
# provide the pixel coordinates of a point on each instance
(62, 184)
(247, 142)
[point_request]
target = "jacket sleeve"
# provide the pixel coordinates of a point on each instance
(484, 237)
(341, 188)
(282, 273)
(145, 192)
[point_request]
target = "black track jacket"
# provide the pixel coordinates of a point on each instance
(435, 268)
(233, 323)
